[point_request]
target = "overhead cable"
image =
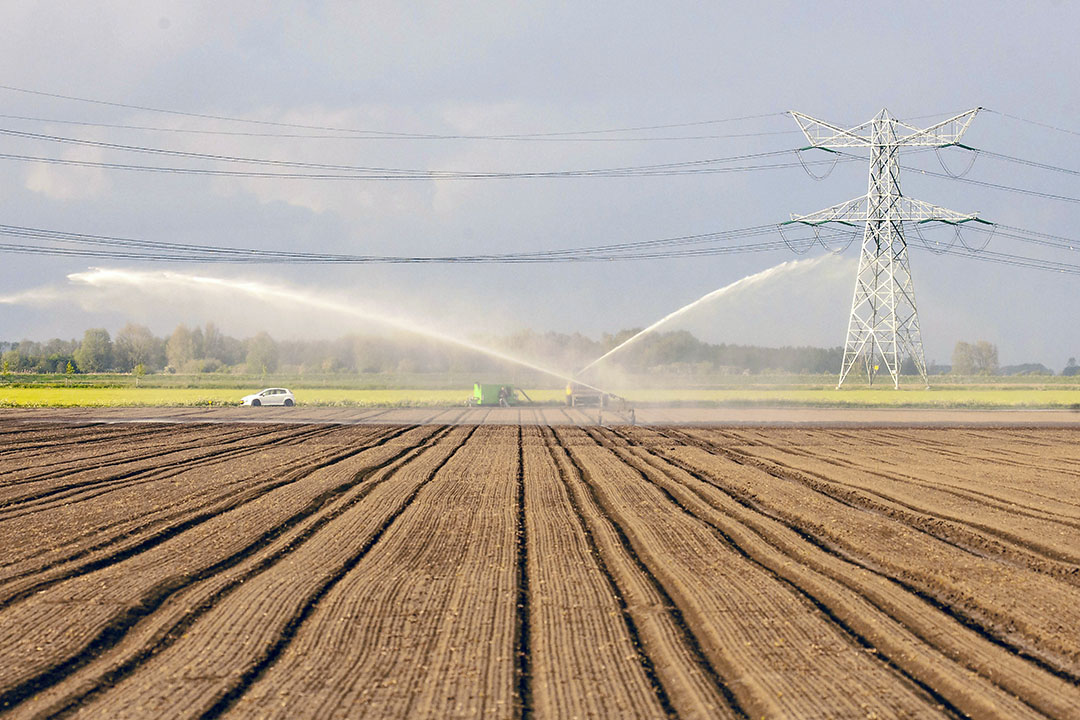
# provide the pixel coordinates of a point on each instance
(374, 136)
(71, 244)
(982, 183)
(383, 133)
(1037, 123)
(348, 172)
(133, 248)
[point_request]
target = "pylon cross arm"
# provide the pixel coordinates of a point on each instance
(850, 212)
(827, 135)
(912, 210)
(946, 132)
(823, 134)
(855, 212)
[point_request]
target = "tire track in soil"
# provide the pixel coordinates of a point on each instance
(571, 420)
(971, 457)
(122, 624)
(908, 615)
(647, 664)
(69, 492)
(988, 445)
(523, 700)
(988, 499)
(955, 613)
(211, 506)
(63, 439)
(132, 450)
(690, 644)
(983, 541)
(259, 667)
(21, 427)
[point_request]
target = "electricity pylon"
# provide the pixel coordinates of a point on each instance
(884, 318)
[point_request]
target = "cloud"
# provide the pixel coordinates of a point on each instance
(68, 182)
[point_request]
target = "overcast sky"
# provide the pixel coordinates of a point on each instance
(502, 68)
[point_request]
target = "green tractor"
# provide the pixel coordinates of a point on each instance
(488, 395)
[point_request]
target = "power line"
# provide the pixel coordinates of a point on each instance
(982, 183)
(388, 134)
(995, 186)
(552, 137)
(1023, 161)
(84, 245)
(1057, 242)
(690, 167)
(1033, 122)
(464, 260)
(139, 249)
(1013, 260)
(219, 157)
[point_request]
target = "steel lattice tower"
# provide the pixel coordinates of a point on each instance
(884, 324)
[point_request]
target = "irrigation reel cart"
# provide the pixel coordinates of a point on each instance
(582, 395)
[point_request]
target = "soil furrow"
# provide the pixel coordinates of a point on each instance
(138, 524)
(647, 664)
(941, 480)
(931, 490)
(113, 633)
(271, 654)
(663, 483)
(319, 513)
(791, 645)
(63, 439)
(96, 457)
(169, 532)
(523, 701)
(229, 564)
(67, 492)
(690, 645)
(978, 538)
(1006, 608)
(931, 648)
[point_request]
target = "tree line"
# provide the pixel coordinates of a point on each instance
(135, 349)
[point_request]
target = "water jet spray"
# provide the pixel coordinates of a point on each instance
(750, 280)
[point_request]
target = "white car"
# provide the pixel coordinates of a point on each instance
(270, 396)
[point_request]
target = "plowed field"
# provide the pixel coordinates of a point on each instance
(530, 570)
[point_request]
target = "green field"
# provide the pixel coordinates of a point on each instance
(947, 396)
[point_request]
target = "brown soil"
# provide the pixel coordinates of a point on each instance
(523, 568)
(559, 415)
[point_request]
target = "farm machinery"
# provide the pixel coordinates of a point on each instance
(580, 394)
(487, 394)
